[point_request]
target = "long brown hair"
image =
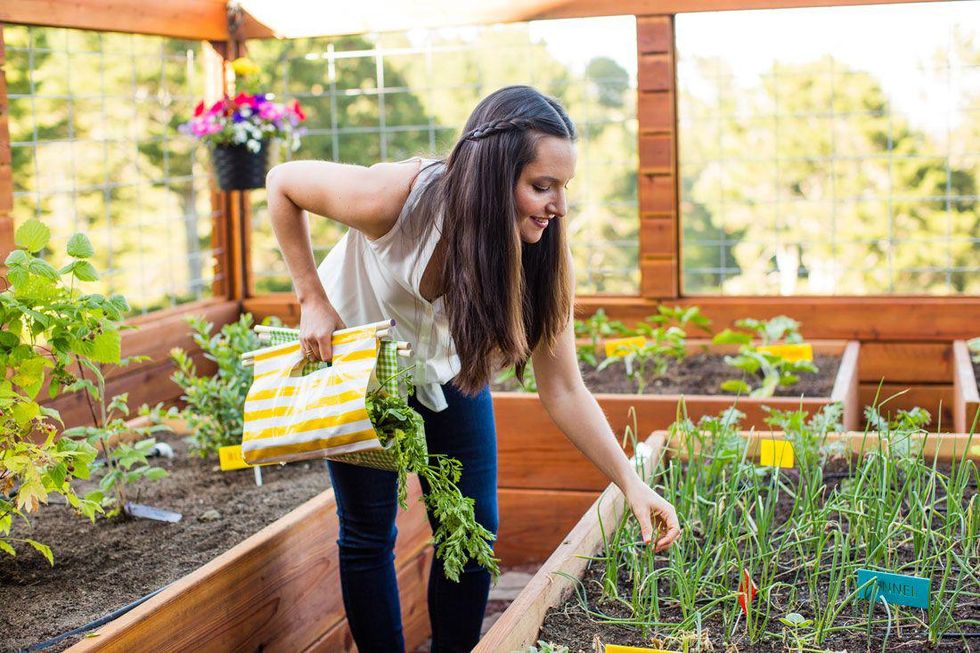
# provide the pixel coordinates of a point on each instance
(503, 296)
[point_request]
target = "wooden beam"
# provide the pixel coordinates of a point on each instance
(877, 319)
(186, 19)
(534, 522)
(383, 16)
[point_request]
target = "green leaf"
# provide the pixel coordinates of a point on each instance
(17, 257)
(80, 246)
(33, 235)
(155, 473)
(44, 550)
(85, 271)
(736, 386)
(729, 337)
(44, 269)
(107, 347)
(6, 548)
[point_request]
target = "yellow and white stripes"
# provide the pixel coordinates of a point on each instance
(293, 417)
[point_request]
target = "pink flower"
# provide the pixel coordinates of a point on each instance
(243, 98)
(199, 109)
(217, 107)
(270, 111)
(295, 108)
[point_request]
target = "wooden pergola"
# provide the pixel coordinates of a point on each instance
(906, 339)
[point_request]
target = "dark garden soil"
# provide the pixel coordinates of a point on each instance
(699, 374)
(103, 566)
(570, 625)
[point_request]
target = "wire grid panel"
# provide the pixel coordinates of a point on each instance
(817, 168)
(392, 96)
(95, 149)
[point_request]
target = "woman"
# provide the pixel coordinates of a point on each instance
(469, 256)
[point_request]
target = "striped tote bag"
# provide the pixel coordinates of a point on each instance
(298, 410)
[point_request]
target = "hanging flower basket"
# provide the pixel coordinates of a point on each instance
(239, 168)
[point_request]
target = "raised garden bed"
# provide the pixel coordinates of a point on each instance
(545, 482)
(966, 395)
(263, 574)
(555, 586)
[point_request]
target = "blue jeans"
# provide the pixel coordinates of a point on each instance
(366, 508)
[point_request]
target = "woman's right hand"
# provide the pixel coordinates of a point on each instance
(317, 322)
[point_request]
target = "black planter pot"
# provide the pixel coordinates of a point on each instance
(238, 168)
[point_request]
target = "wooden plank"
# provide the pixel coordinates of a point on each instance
(658, 235)
(654, 34)
(187, 19)
(518, 626)
(902, 362)
(413, 576)
(895, 318)
(655, 112)
(966, 397)
(936, 398)
(655, 73)
(443, 13)
(846, 386)
(533, 522)
(657, 155)
(277, 590)
(657, 193)
(658, 277)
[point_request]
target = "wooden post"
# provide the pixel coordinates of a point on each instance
(658, 186)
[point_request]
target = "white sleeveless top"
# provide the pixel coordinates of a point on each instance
(369, 280)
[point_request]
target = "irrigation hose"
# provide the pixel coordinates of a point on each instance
(101, 621)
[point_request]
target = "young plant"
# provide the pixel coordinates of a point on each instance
(214, 405)
(646, 363)
(771, 371)
(529, 384)
(458, 536)
(124, 464)
(595, 328)
(50, 333)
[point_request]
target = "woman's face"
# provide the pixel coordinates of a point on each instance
(540, 192)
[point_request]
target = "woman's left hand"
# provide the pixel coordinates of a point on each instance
(651, 510)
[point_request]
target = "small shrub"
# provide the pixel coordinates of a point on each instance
(769, 370)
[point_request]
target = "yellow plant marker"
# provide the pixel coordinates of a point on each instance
(230, 458)
(775, 453)
(975, 450)
(799, 352)
(616, 648)
(623, 346)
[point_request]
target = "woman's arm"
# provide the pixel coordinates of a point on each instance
(366, 199)
(576, 412)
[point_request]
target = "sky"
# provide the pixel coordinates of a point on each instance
(890, 41)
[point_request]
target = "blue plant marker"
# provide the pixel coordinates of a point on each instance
(897, 589)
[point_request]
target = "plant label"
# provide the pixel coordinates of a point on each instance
(616, 648)
(898, 589)
(775, 453)
(623, 346)
(797, 352)
(230, 458)
(149, 512)
(975, 451)
(746, 591)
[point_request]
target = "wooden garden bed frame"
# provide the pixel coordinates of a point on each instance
(277, 590)
(966, 398)
(545, 483)
(519, 625)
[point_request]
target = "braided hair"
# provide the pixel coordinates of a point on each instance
(503, 296)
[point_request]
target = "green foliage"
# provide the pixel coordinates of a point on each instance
(214, 409)
(458, 536)
(769, 370)
(666, 339)
(546, 647)
(51, 333)
(528, 384)
(596, 327)
(124, 464)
